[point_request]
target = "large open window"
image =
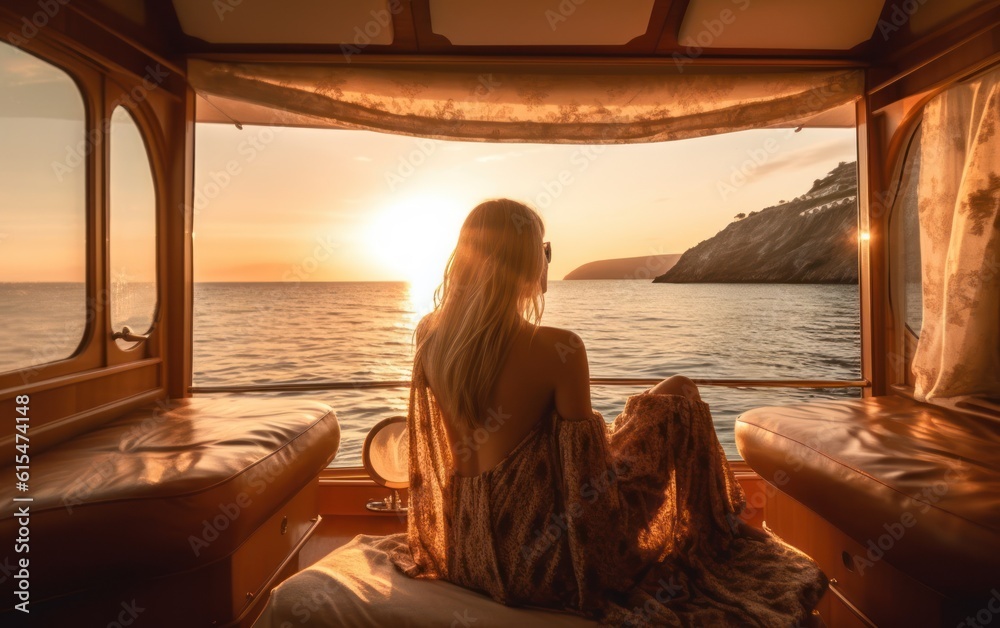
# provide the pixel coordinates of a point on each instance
(317, 251)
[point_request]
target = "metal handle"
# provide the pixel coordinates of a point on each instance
(128, 335)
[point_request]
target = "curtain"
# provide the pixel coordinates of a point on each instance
(957, 361)
(570, 102)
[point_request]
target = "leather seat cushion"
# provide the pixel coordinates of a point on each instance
(166, 489)
(926, 476)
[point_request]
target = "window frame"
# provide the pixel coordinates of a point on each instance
(115, 95)
(897, 263)
(88, 353)
(101, 90)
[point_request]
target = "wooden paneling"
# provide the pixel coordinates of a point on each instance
(262, 555)
(878, 590)
(230, 591)
(346, 496)
(945, 61)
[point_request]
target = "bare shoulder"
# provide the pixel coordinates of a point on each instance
(557, 346)
(561, 352)
(564, 358)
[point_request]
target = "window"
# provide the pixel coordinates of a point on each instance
(317, 251)
(907, 211)
(132, 229)
(43, 228)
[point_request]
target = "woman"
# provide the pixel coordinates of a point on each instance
(519, 489)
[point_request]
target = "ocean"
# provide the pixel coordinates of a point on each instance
(247, 333)
(254, 333)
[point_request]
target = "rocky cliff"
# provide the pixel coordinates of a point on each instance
(809, 239)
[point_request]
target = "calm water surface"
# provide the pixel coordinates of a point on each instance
(255, 333)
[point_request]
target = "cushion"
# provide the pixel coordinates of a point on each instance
(358, 585)
(167, 488)
(916, 483)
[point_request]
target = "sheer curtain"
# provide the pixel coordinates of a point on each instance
(957, 362)
(568, 102)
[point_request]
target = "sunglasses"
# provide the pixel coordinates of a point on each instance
(547, 247)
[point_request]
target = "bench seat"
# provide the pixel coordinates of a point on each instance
(166, 489)
(916, 484)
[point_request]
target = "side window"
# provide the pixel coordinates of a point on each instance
(43, 219)
(910, 228)
(132, 227)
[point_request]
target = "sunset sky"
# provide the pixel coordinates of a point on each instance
(330, 205)
(285, 204)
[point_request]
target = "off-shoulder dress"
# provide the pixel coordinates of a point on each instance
(634, 523)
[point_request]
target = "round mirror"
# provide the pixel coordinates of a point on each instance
(386, 453)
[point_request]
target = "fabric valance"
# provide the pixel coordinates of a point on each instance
(570, 102)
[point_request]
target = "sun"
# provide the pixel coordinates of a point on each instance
(412, 240)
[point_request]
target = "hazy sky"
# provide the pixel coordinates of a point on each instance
(330, 205)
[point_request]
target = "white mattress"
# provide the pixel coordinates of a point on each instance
(357, 585)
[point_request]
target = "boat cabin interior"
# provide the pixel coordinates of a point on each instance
(135, 494)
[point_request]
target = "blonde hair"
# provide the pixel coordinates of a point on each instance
(491, 286)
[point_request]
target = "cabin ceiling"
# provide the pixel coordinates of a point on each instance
(707, 30)
(285, 22)
(781, 24)
(540, 22)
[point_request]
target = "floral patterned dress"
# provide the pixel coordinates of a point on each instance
(632, 524)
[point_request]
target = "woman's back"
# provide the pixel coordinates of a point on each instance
(542, 363)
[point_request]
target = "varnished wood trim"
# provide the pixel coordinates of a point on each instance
(344, 492)
(741, 469)
(118, 33)
(484, 57)
(872, 282)
(903, 53)
(659, 23)
(78, 35)
(956, 63)
(672, 27)
(76, 378)
(404, 30)
(44, 434)
(344, 473)
(923, 63)
(119, 88)
(357, 476)
(178, 227)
